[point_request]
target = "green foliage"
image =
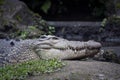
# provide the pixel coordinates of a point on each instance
(30, 32)
(114, 19)
(45, 7)
(118, 5)
(23, 34)
(2, 2)
(31, 68)
(43, 22)
(111, 19)
(103, 23)
(32, 27)
(51, 30)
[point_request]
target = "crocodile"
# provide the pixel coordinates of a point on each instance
(45, 47)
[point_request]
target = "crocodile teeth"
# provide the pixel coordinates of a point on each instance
(68, 48)
(75, 50)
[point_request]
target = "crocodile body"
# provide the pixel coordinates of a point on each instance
(46, 47)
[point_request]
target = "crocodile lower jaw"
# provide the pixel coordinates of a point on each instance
(66, 54)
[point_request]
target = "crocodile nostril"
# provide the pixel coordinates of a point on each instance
(12, 43)
(55, 38)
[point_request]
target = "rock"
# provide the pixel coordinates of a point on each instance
(108, 54)
(82, 70)
(16, 20)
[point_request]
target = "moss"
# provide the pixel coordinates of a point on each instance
(31, 68)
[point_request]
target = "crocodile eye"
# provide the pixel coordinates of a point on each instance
(43, 37)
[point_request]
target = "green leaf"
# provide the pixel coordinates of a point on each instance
(22, 70)
(103, 23)
(45, 7)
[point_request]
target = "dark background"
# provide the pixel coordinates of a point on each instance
(64, 10)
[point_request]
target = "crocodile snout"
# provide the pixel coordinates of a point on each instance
(93, 44)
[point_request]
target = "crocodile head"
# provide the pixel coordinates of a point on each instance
(55, 47)
(46, 47)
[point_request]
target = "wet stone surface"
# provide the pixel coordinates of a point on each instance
(83, 70)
